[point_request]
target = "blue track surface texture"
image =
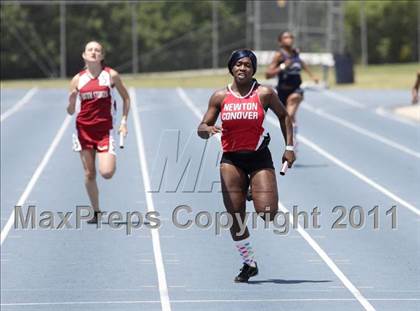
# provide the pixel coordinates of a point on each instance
(349, 155)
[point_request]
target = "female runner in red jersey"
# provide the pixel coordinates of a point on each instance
(246, 158)
(94, 123)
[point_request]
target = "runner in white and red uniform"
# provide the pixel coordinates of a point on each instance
(246, 158)
(94, 122)
(94, 87)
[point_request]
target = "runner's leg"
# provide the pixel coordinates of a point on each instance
(234, 188)
(264, 192)
(107, 164)
(88, 161)
(292, 106)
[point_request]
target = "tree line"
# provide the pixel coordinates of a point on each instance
(174, 35)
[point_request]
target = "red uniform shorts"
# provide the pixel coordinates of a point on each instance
(99, 140)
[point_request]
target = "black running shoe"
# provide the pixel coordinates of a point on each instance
(246, 272)
(249, 194)
(94, 219)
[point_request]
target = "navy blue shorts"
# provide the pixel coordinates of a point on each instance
(249, 162)
(284, 94)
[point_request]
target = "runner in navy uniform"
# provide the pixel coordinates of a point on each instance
(287, 66)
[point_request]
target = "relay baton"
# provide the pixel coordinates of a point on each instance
(284, 168)
(121, 140)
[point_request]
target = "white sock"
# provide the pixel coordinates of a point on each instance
(245, 250)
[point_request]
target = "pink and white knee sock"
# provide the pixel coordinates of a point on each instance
(245, 250)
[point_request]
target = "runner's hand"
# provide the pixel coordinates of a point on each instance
(71, 107)
(123, 130)
(289, 156)
(287, 62)
(214, 130)
(415, 98)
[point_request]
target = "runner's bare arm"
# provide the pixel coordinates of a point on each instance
(207, 127)
(415, 90)
(309, 72)
(269, 97)
(273, 69)
(116, 79)
(71, 107)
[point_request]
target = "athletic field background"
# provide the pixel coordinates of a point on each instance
(389, 76)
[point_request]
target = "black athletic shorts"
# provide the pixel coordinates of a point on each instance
(249, 161)
(285, 93)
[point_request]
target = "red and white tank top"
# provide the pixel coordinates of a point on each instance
(242, 121)
(97, 100)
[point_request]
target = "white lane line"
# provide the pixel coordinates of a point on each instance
(160, 268)
(361, 130)
(379, 110)
(188, 102)
(25, 99)
(384, 113)
(353, 171)
(330, 263)
(35, 176)
(23, 304)
(343, 99)
(49, 289)
(356, 293)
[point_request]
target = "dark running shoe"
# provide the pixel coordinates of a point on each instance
(94, 219)
(249, 194)
(246, 272)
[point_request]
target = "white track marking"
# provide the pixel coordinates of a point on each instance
(351, 170)
(188, 102)
(160, 268)
(384, 113)
(356, 293)
(25, 99)
(35, 176)
(23, 304)
(361, 130)
(379, 110)
(330, 263)
(343, 99)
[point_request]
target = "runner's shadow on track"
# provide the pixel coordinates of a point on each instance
(281, 281)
